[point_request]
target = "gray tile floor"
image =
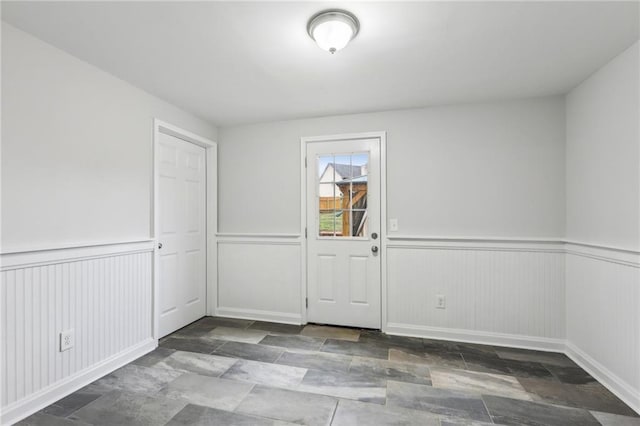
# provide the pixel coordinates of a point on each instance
(220, 371)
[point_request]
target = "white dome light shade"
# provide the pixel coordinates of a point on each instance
(333, 29)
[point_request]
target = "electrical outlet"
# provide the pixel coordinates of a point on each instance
(66, 340)
(441, 302)
(393, 224)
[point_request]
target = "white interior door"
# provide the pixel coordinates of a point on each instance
(343, 232)
(181, 232)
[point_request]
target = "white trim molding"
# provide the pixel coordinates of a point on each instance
(256, 235)
(604, 247)
(260, 315)
(275, 239)
(66, 246)
(606, 377)
(463, 239)
(624, 256)
(478, 337)
(24, 259)
(604, 253)
(490, 244)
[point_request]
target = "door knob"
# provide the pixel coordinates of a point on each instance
(374, 249)
(159, 245)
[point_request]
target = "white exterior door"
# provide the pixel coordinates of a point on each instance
(343, 232)
(182, 257)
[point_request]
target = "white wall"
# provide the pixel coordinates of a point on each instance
(76, 170)
(493, 170)
(76, 149)
(603, 209)
(603, 148)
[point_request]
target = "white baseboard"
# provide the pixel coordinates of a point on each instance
(258, 315)
(47, 396)
(479, 337)
(615, 384)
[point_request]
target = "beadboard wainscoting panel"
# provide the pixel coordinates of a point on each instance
(259, 277)
(103, 295)
(603, 317)
(507, 293)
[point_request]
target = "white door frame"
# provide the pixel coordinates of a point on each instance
(211, 155)
(382, 136)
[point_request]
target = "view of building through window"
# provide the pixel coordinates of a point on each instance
(342, 193)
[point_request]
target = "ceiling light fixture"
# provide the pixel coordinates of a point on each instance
(333, 29)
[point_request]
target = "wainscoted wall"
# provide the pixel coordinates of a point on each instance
(499, 292)
(103, 293)
(548, 295)
(602, 209)
(259, 277)
(603, 316)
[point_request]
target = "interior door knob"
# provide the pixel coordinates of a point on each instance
(159, 245)
(374, 249)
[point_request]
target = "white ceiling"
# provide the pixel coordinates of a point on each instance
(241, 62)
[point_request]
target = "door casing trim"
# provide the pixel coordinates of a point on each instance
(211, 264)
(304, 141)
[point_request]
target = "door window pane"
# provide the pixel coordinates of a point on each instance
(343, 167)
(342, 194)
(327, 197)
(359, 220)
(355, 194)
(326, 169)
(330, 223)
(343, 226)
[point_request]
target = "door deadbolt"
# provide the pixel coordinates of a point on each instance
(374, 236)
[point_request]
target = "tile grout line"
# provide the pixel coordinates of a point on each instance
(211, 353)
(335, 409)
(466, 366)
(350, 363)
(486, 408)
(279, 356)
(253, 385)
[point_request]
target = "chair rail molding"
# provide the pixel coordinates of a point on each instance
(622, 255)
(604, 253)
(33, 257)
(258, 238)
